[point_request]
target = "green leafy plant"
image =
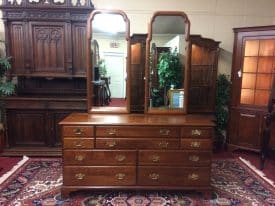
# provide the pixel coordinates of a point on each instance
(102, 67)
(223, 86)
(6, 87)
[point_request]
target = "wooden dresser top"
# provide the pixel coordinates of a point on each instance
(138, 119)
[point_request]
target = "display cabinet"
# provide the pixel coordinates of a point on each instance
(252, 71)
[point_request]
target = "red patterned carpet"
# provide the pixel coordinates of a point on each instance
(38, 182)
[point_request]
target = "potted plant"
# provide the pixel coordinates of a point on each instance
(223, 86)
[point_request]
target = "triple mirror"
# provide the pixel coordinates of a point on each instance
(108, 62)
(167, 54)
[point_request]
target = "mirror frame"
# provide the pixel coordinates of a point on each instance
(186, 65)
(90, 64)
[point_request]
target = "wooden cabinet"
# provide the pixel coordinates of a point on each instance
(203, 73)
(252, 71)
(137, 152)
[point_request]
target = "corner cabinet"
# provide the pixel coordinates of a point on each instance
(253, 68)
(136, 151)
(47, 42)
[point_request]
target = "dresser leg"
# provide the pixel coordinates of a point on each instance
(65, 192)
(208, 194)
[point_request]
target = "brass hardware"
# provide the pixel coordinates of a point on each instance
(248, 115)
(154, 176)
(79, 157)
(194, 158)
(155, 158)
(111, 132)
(193, 176)
(196, 132)
(110, 144)
(78, 143)
(164, 132)
(163, 144)
(120, 157)
(78, 131)
(79, 176)
(120, 176)
(195, 144)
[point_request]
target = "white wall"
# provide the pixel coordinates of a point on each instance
(210, 18)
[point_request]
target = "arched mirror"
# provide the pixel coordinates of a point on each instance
(167, 63)
(108, 62)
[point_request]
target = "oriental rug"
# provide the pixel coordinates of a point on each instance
(38, 182)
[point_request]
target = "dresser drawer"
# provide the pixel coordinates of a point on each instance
(174, 157)
(137, 131)
(99, 157)
(81, 131)
(135, 143)
(173, 176)
(78, 143)
(196, 144)
(196, 132)
(99, 176)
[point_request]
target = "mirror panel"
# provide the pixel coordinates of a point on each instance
(167, 63)
(108, 62)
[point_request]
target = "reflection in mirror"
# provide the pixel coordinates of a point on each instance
(167, 62)
(107, 66)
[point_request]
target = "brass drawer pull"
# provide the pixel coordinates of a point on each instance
(79, 158)
(78, 131)
(78, 143)
(110, 144)
(154, 176)
(196, 132)
(163, 144)
(79, 176)
(120, 157)
(155, 158)
(248, 115)
(195, 144)
(194, 158)
(120, 176)
(111, 132)
(193, 176)
(164, 132)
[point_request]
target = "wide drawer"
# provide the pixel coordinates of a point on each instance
(99, 176)
(78, 143)
(137, 131)
(196, 132)
(196, 144)
(136, 143)
(99, 157)
(174, 157)
(78, 131)
(174, 176)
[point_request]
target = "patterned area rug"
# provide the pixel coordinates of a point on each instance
(38, 182)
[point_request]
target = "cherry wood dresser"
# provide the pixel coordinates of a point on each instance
(136, 151)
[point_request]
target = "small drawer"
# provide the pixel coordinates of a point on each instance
(137, 131)
(136, 143)
(99, 157)
(196, 132)
(78, 143)
(196, 144)
(174, 176)
(174, 158)
(78, 131)
(99, 176)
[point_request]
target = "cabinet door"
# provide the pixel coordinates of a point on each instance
(27, 128)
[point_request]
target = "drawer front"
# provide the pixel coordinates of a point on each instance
(196, 132)
(196, 144)
(180, 158)
(99, 157)
(99, 176)
(78, 143)
(174, 176)
(132, 143)
(80, 131)
(137, 131)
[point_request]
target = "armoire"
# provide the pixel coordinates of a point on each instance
(47, 43)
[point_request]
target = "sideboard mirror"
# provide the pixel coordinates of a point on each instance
(108, 50)
(167, 63)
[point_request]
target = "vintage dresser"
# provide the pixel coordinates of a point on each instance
(136, 151)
